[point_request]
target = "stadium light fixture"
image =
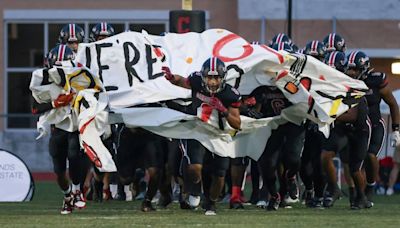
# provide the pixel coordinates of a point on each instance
(396, 68)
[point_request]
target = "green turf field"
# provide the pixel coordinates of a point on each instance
(43, 211)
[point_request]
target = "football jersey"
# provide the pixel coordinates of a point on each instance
(229, 96)
(361, 123)
(375, 81)
(271, 99)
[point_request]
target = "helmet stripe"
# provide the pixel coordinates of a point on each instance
(332, 59)
(352, 57)
(61, 51)
(331, 41)
(104, 27)
(279, 38)
(314, 45)
(281, 46)
(72, 31)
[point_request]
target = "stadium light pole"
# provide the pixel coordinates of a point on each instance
(289, 19)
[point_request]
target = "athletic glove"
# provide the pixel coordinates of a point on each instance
(217, 104)
(254, 114)
(395, 138)
(167, 73)
(251, 101)
(62, 100)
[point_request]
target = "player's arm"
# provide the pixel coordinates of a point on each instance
(233, 117)
(387, 96)
(176, 79)
(60, 101)
(40, 108)
(350, 116)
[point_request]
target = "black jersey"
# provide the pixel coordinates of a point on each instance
(271, 99)
(229, 96)
(361, 123)
(375, 81)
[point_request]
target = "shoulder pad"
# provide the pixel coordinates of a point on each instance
(378, 74)
(235, 91)
(196, 73)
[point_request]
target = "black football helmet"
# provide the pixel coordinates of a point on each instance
(294, 47)
(283, 46)
(316, 49)
(59, 53)
(300, 51)
(281, 38)
(213, 67)
(71, 33)
(337, 60)
(359, 62)
(334, 42)
(101, 29)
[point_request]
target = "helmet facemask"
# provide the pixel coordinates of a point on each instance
(216, 78)
(213, 75)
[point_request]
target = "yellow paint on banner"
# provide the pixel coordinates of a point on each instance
(335, 107)
(77, 102)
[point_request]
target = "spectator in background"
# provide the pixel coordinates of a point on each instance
(395, 172)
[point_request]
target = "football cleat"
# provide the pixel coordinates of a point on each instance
(210, 208)
(194, 201)
(274, 202)
(308, 197)
(165, 200)
(361, 203)
(262, 204)
(330, 198)
(147, 206)
(68, 206)
(79, 200)
(236, 205)
(293, 191)
(389, 191)
(317, 203)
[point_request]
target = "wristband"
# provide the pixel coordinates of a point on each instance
(395, 127)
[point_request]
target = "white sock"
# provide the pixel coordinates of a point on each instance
(76, 187)
(371, 184)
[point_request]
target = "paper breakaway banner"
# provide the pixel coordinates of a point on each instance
(127, 71)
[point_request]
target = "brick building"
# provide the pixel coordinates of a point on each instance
(28, 29)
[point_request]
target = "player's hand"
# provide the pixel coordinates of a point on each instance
(62, 100)
(395, 138)
(167, 73)
(217, 104)
(254, 114)
(251, 101)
